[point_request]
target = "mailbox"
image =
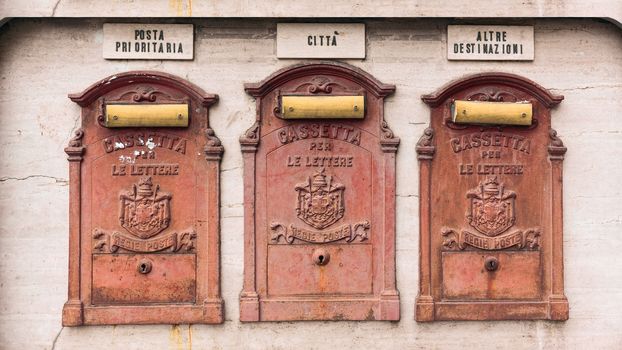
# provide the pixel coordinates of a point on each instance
(491, 203)
(319, 198)
(143, 224)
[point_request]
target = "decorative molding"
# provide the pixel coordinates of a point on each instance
(74, 149)
(122, 80)
(387, 133)
(458, 240)
(76, 140)
(145, 95)
(388, 140)
(250, 139)
(556, 148)
(214, 148)
(328, 68)
(494, 78)
(320, 85)
(425, 146)
(349, 232)
(492, 94)
(112, 242)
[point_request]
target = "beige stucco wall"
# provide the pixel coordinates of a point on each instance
(43, 60)
(609, 9)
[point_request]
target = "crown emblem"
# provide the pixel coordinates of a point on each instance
(320, 200)
(145, 187)
(145, 211)
(491, 209)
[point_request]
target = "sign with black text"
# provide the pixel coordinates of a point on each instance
(320, 40)
(490, 43)
(148, 41)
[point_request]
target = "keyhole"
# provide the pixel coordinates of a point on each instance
(491, 264)
(321, 257)
(144, 266)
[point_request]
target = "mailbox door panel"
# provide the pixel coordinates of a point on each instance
(465, 276)
(491, 203)
(121, 278)
(320, 176)
(293, 270)
(144, 204)
(329, 201)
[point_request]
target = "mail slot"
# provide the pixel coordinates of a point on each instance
(498, 113)
(143, 223)
(145, 115)
(490, 205)
(319, 198)
(323, 107)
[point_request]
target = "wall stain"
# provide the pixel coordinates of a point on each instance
(181, 7)
(189, 337)
(175, 338)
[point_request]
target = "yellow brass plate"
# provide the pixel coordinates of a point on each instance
(321, 107)
(504, 113)
(143, 115)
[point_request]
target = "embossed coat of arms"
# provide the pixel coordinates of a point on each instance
(145, 211)
(492, 208)
(320, 200)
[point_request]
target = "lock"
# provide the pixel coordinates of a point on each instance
(321, 257)
(144, 266)
(491, 263)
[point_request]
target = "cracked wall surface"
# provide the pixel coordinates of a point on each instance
(42, 60)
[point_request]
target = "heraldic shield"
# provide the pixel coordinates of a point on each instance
(145, 211)
(320, 200)
(492, 207)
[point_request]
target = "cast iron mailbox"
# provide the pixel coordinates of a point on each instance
(491, 203)
(144, 197)
(319, 198)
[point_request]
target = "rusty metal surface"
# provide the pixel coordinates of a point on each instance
(143, 278)
(490, 208)
(143, 209)
(319, 203)
(491, 275)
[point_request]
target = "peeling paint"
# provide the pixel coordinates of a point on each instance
(127, 159)
(150, 144)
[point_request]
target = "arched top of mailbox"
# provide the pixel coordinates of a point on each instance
(335, 69)
(121, 80)
(484, 79)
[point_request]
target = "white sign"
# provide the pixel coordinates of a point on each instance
(148, 41)
(490, 43)
(320, 40)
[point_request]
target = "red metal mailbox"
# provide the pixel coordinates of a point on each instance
(491, 203)
(143, 225)
(319, 198)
